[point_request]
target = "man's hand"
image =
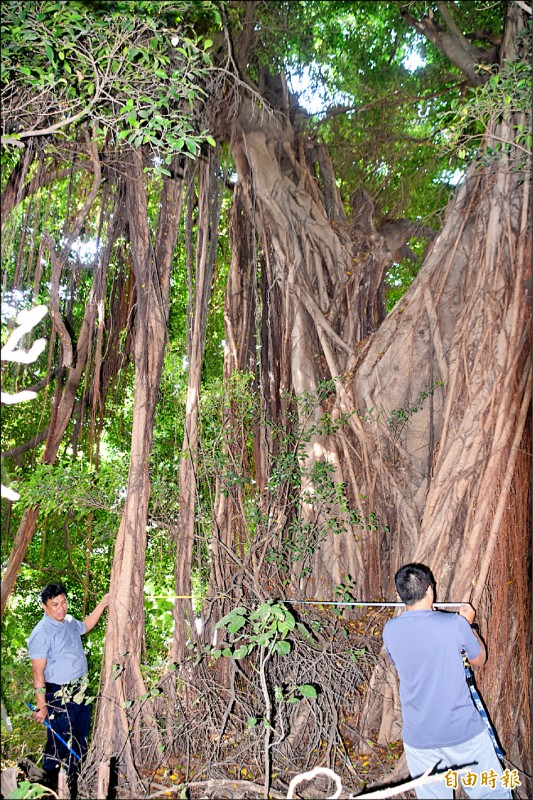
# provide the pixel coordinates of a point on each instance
(468, 612)
(40, 714)
(96, 613)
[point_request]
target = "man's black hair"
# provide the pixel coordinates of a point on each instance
(51, 591)
(412, 582)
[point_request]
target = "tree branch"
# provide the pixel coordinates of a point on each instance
(15, 452)
(59, 261)
(523, 6)
(452, 43)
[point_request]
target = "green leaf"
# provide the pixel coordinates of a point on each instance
(251, 722)
(27, 791)
(307, 690)
(263, 611)
(304, 632)
(236, 624)
(283, 648)
(237, 612)
(127, 704)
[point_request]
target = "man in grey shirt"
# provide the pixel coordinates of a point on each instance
(442, 728)
(59, 669)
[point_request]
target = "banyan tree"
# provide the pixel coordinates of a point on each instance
(353, 438)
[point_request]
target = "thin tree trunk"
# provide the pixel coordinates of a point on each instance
(208, 216)
(123, 721)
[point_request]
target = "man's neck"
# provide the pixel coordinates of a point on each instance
(426, 604)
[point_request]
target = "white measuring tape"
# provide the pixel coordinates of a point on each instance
(356, 603)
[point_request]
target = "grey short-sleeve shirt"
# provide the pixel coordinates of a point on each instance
(60, 643)
(437, 707)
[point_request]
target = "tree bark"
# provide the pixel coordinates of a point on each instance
(458, 499)
(320, 296)
(14, 188)
(119, 730)
(209, 200)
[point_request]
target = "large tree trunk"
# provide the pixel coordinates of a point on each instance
(441, 392)
(455, 472)
(320, 296)
(120, 732)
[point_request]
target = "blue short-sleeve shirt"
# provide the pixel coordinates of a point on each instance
(437, 707)
(60, 643)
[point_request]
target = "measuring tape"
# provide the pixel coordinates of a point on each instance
(356, 603)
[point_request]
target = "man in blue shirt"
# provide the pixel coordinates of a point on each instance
(442, 728)
(59, 669)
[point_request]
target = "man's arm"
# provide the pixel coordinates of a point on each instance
(37, 668)
(95, 615)
(468, 612)
(480, 659)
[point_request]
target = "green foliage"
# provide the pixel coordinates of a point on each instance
(316, 505)
(159, 590)
(379, 118)
(76, 485)
(28, 791)
(345, 589)
(506, 95)
(267, 626)
(399, 417)
(134, 69)
(308, 496)
(345, 592)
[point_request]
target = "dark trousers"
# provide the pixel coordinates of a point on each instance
(71, 722)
